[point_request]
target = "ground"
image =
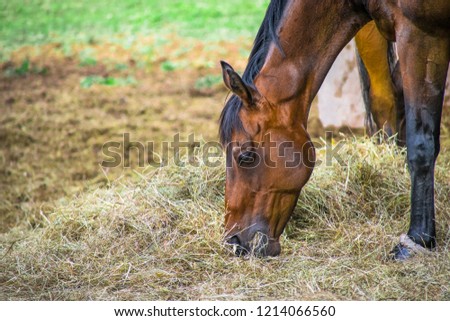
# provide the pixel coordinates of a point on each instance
(72, 229)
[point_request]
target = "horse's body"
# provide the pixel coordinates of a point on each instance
(294, 49)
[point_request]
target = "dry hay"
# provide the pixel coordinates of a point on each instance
(160, 238)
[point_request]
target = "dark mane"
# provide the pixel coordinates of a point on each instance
(267, 33)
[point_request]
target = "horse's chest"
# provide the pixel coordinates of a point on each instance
(426, 10)
(433, 17)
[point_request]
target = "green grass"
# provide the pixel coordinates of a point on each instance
(89, 81)
(25, 68)
(25, 22)
(208, 81)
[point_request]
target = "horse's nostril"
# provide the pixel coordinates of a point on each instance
(234, 240)
(238, 247)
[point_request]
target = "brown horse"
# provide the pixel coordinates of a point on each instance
(269, 153)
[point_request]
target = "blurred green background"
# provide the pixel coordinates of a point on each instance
(25, 22)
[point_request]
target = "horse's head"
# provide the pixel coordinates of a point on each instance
(269, 160)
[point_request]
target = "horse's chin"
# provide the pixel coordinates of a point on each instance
(273, 249)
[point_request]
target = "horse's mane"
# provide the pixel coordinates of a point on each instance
(267, 33)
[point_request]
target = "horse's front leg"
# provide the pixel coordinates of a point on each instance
(424, 64)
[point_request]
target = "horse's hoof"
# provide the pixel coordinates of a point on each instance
(407, 248)
(400, 253)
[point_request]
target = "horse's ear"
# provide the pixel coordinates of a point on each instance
(235, 83)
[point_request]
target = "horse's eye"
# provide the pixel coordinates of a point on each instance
(246, 158)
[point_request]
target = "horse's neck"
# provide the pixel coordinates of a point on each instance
(311, 36)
